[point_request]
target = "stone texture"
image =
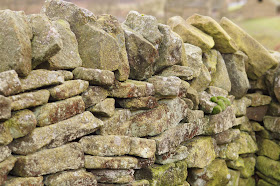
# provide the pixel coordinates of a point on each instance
(106, 145)
(29, 99)
(73, 177)
(272, 123)
(269, 180)
(202, 82)
(15, 39)
(194, 59)
(223, 42)
(249, 167)
(192, 94)
(259, 59)
(247, 182)
(216, 91)
(210, 59)
(234, 177)
(66, 74)
(10, 83)
(57, 111)
(235, 64)
(5, 167)
(46, 41)
(5, 135)
(38, 181)
(268, 167)
(205, 102)
(166, 87)
(246, 144)
(240, 106)
(183, 72)
(40, 78)
(141, 147)
(68, 89)
(21, 123)
(227, 136)
(118, 124)
(62, 132)
(274, 109)
(99, 162)
(49, 161)
(113, 176)
(257, 113)
(141, 54)
(170, 174)
(6, 108)
(94, 95)
(131, 89)
(268, 148)
(258, 99)
(236, 164)
(190, 34)
(95, 76)
(5, 152)
(144, 103)
(104, 108)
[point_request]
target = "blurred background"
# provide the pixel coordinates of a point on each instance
(260, 18)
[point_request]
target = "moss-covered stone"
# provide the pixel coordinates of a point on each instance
(247, 181)
(141, 147)
(210, 59)
(66, 74)
(268, 148)
(272, 123)
(262, 182)
(249, 167)
(234, 177)
(268, 167)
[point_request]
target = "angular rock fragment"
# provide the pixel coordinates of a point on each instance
(240, 106)
(183, 72)
(66, 74)
(99, 162)
(141, 147)
(38, 181)
(216, 91)
(68, 89)
(258, 99)
(9, 83)
(15, 41)
(57, 111)
(94, 95)
(210, 59)
(40, 78)
(190, 34)
(202, 82)
(144, 103)
(205, 102)
(6, 108)
(257, 113)
(113, 176)
(29, 99)
(72, 177)
(5, 167)
(104, 108)
(192, 94)
(246, 144)
(49, 161)
(5, 152)
(95, 76)
(5, 135)
(227, 136)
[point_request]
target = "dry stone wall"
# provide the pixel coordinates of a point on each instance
(86, 100)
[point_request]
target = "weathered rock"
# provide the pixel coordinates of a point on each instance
(258, 99)
(144, 103)
(205, 102)
(262, 182)
(41, 78)
(113, 176)
(268, 167)
(171, 49)
(210, 59)
(194, 58)
(5, 152)
(94, 95)
(99, 162)
(68, 89)
(228, 151)
(118, 124)
(236, 164)
(235, 64)
(170, 174)
(246, 144)
(267, 179)
(57, 111)
(106, 145)
(240, 106)
(234, 177)
(273, 109)
(223, 42)
(112, 26)
(141, 54)
(216, 91)
(215, 173)
(141, 147)
(131, 88)
(73, 177)
(245, 125)
(95, 76)
(227, 136)
(15, 41)
(257, 113)
(249, 167)
(66, 74)
(5, 167)
(104, 108)
(183, 72)
(5, 135)
(256, 126)
(247, 182)
(166, 86)
(221, 77)
(190, 34)
(184, 86)
(202, 82)
(192, 94)
(29, 99)
(46, 41)
(6, 108)
(272, 123)
(259, 59)
(49, 161)
(268, 148)
(194, 116)
(145, 25)
(25, 181)
(9, 83)
(21, 123)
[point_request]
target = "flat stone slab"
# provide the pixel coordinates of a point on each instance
(66, 74)
(257, 113)
(9, 83)
(194, 58)
(5, 152)
(25, 181)
(5, 167)
(99, 162)
(227, 136)
(29, 99)
(94, 95)
(49, 161)
(6, 108)
(114, 176)
(141, 147)
(183, 72)
(142, 103)
(258, 99)
(57, 111)
(105, 108)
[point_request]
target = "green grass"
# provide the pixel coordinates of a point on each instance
(265, 30)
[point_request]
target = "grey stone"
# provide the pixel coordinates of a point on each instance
(94, 95)
(9, 83)
(6, 108)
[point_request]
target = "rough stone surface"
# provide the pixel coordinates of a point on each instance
(41, 78)
(246, 144)
(9, 83)
(268, 167)
(183, 72)
(240, 106)
(274, 109)
(272, 123)
(141, 147)
(72, 177)
(190, 34)
(48, 161)
(113, 176)
(216, 91)
(144, 103)
(104, 108)
(258, 99)
(223, 42)
(202, 82)
(38, 181)
(57, 111)
(227, 136)
(247, 182)
(259, 59)
(29, 99)
(68, 89)
(15, 39)
(268, 148)
(5, 135)
(99, 162)
(210, 59)
(95, 76)
(257, 113)
(5, 152)
(6, 108)
(5, 167)
(205, 102)
(234, 177)
(94, 95)
(194, 59)
(66, 74)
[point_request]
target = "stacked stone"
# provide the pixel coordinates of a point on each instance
(86, 100)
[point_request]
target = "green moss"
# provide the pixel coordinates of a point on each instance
(214, 99)
(222, 104)
(226, 101)
(217, 109)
